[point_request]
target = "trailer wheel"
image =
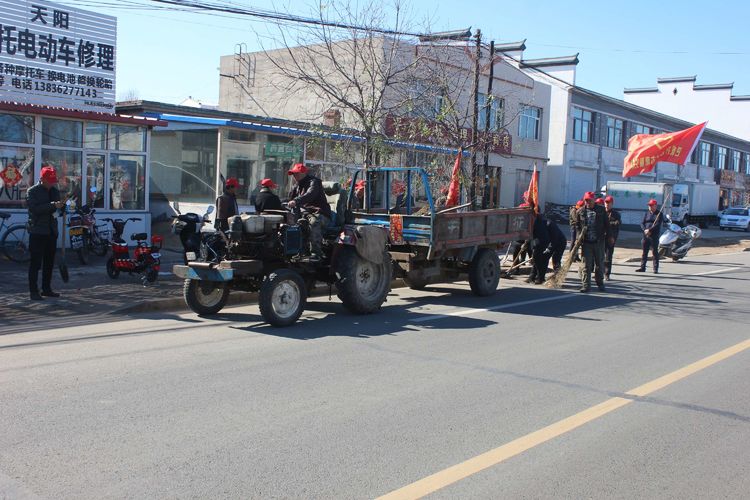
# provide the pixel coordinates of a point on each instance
(363, 285)
(205, 297)
(282, 297)
(484, 272)
(415, 282)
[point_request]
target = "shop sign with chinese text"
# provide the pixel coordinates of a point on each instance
(56, 55)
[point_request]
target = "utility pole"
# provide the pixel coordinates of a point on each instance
(487, 126)
(475, 127)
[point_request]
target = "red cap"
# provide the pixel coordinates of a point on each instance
(588, 196)
(599, 201)
(609, 199)
(579, 203)
(49, 174)
(652, 202)
(268, 183)
(297, 168)
(232, 182)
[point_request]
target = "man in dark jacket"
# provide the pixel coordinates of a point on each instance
(226, 205)
(651, 226)
(540, 250)
(557, 243)
(43, 199)
(592, 219)
(615, 220)
(308, 196)
(267, 199)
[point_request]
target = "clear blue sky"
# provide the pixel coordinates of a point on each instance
(168, 56)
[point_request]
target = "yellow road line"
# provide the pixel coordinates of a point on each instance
(476, 464)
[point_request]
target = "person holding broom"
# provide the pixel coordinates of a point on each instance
(592, 222)
(614, 224)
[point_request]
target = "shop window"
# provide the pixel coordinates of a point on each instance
(127, 138)
(127, 182)
(95, 177)
(96, 136)
(315, 150)
(16, 128)
(240, 135)
(65, 133)
(68, 167)
(183, 166)
(16, 175)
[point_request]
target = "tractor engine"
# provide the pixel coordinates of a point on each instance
(265, 237)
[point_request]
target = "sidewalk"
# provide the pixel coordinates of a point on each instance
(90, 292)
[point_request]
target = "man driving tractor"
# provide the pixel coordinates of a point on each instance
(308, 196)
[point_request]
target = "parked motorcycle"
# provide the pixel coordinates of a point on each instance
(194, 233)
(675, 241)
(146, 259)
(85, 235)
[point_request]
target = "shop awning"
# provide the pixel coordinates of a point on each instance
(143, 121)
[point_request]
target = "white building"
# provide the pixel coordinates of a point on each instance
(682, 98)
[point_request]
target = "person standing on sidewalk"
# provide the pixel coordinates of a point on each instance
(592, 219)
(42, 200)
(651, 226)
(573, 231)
(615, 221)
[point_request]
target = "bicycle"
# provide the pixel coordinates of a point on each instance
(15, 240)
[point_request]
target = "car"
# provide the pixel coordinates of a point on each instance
(735, 218)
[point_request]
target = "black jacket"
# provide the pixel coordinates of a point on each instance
(615, 220)
(652, 221)
(309, 194)
(601, 223)
(41, 205)
(226, 207)
(266, 200)
(540, 234)
(557, 238)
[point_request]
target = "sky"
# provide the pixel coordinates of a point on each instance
(169, 56)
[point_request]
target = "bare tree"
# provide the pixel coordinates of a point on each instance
(130, 95)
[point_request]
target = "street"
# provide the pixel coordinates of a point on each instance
(342, 406)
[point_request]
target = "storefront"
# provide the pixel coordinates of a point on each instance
(734, 188)
(101, 159)
(195, 150)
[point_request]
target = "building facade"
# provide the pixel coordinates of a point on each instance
(437, 100)
(589, 135)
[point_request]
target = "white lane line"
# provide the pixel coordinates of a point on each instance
(717, 271)
(467, 312)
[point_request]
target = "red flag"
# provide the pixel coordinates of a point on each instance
(455, 186)
(533, 196)
(645, 150)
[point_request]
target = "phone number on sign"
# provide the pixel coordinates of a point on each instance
(65, 89)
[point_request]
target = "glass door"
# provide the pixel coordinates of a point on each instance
(96, 175)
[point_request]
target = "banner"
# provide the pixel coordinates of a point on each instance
(645, 150)
(454, 187)
(533, 192)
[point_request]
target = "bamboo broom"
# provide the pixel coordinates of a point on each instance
(558, 278)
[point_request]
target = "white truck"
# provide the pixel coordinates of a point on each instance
(686, 203)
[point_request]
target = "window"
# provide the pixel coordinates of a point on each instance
(439, 106)
(127, 138)
(583, 125)
(96, 136)
(736, 157)
(529, 123)
(704, 158)
(721, 157)
(127, 182)
(17, 172)
(16, 128)
(747, 163)
(68, 166)
(63, 133)
(496, 112)
(183, 164)
(614, 133)
(641, 129)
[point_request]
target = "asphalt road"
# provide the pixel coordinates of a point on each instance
(640, 392)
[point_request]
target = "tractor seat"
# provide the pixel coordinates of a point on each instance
(336, 197)
(138, 236)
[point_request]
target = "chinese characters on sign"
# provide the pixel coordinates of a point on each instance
(57, 55)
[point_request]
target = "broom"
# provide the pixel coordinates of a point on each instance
(557, 279)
